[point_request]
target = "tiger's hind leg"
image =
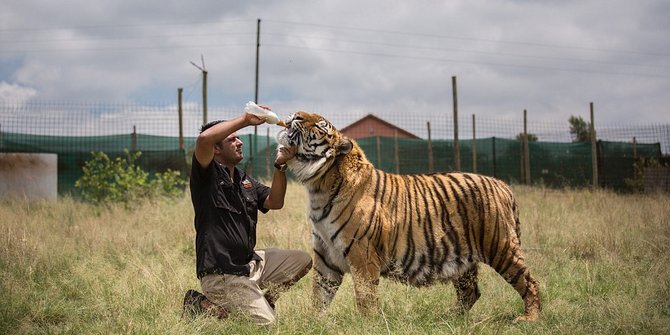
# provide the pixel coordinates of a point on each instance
(467, 290)
(515, 272)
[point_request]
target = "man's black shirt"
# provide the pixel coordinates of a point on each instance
(226, 212)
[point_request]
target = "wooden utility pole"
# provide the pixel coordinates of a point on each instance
(204, 95)
(258, 47)
(457, 150)
(180, 91)
(204, 87)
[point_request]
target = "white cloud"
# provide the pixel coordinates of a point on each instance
(38, 73)
(351, 58)
(15, 93)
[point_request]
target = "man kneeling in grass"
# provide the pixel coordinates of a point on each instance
(226, 201)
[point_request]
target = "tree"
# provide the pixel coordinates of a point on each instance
(531, 137)
(106, 180)
(580, 130)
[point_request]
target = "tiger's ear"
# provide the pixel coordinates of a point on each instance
(344, 147)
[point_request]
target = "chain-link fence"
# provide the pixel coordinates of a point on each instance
(165, 134)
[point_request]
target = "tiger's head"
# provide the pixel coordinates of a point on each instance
(318, 144)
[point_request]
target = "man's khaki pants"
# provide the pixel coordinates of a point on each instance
(277, 270)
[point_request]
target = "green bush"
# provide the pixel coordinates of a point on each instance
(636, 184)
(120, 180)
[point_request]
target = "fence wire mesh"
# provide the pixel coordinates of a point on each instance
(490, 146)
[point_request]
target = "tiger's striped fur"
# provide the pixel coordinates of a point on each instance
(418, 229)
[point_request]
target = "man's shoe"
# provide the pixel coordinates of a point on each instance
(192, 303)
(270, 298)
(195, 303)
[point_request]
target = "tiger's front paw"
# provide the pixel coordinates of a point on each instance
(527, 317)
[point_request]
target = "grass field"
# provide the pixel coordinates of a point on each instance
(71, 268)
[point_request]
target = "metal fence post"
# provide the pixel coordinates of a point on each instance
(474, 145)
(526, 153)
(457, 150)
(431, 164)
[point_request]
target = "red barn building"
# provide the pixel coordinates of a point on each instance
(372, 126)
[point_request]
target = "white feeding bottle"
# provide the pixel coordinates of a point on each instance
(265, 113)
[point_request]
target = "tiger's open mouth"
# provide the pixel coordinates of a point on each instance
(293, 136)
(290, 136)
(317, 143)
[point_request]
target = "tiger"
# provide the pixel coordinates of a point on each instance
(417, 229)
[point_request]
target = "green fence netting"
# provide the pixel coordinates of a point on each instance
(159, 153)
(551, 164)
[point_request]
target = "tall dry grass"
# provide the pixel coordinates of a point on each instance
(71, 268)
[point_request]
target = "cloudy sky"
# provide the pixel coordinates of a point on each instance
(348, 57)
